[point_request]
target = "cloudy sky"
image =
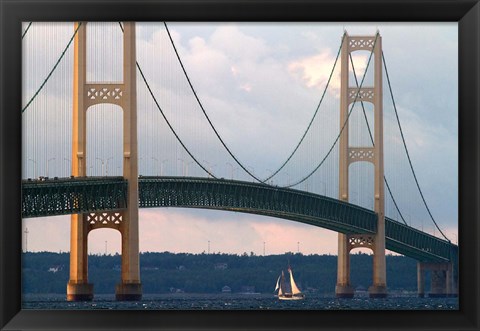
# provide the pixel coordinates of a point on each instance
(260, 84)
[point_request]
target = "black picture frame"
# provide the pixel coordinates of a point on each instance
(13, 12)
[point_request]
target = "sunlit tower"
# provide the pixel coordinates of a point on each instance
(124, 95)
(348, 155)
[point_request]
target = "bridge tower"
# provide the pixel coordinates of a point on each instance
(348, 155)
(86, 94)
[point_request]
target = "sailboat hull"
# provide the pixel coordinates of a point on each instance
(292, 297)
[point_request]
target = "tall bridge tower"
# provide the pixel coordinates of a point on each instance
(86, 94)
(374, 154)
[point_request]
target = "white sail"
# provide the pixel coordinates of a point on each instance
(281, 285)
(278, 283)
(295, 289)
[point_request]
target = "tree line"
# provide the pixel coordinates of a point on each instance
(47, 272)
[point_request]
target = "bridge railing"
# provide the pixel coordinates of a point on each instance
(407, 240)
(60, 196)
(255, 198)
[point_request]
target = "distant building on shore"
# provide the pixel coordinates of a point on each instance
(226, 289)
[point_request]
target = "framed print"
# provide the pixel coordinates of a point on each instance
(240, 165)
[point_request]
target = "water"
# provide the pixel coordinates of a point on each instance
(182, 301)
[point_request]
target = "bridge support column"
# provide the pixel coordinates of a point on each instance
(78, 288)
(452, 290)
(379, 286)
(442, 283)
(130, 287)
(438, 285)
(374, 154)
(343, 288)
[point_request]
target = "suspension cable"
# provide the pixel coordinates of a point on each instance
(406, 149)
(165, 118)
(216, 132)
(53, 69)
(25, 32)
(344, 124)
(203, 109)
(373, 143)
(314, 115)
(326, 156)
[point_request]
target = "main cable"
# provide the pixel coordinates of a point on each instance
(314, 115)
(165, 118)
(218, 135)
(406, 149)
(28, 27)
(203, 109)
(53, 69)
(344, 124)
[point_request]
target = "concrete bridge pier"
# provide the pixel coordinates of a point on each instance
(78, 288)
(442, 282)
(379, 286)
(343, 289)
(346, 243)
(438, 287)
(130, 287)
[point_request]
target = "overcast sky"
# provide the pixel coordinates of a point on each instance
(260, 84)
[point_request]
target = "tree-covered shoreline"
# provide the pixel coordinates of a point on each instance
(48, 272)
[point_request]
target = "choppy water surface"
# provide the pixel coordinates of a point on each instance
(240, 302)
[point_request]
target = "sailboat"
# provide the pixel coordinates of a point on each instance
(286, 292)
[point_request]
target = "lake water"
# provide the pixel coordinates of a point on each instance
(181, 301)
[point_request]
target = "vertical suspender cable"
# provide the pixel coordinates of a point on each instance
(166, 120)
(343, 125)
(373, 144)
(51, 72)
(215, 130)
(406, 149)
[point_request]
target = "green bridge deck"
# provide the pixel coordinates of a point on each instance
(64, 196)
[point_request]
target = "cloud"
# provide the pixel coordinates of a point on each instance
(237, 45)
(315, 70)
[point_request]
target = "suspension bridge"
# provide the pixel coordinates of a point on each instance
(342, 174)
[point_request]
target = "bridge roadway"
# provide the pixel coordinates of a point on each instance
(61, 196)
